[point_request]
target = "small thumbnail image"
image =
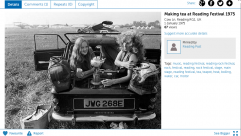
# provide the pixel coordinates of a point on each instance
(173, 46)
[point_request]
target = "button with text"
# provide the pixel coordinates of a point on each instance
(13, 4)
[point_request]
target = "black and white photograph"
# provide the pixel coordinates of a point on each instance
(82, 70)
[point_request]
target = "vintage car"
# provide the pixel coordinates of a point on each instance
(86, 101)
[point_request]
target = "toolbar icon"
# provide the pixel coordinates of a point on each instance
(211, 3)
(235, 133)
(29, 133)
(229, 3)
(220, 3)
(201, 2)
(5, 132)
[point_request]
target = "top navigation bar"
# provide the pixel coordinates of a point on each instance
(119, 4)
(51, 4)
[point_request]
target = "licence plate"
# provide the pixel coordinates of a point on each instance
(103, 103)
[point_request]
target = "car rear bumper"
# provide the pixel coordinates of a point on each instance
(103, 118)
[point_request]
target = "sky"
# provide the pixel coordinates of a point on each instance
(117, 18)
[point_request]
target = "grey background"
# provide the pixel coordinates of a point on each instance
(212, 48)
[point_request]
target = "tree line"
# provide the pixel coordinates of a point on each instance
(156, 24)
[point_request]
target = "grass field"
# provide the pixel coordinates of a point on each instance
(26, 88)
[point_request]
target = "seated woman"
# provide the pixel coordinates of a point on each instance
(80, 58)
(132, 51)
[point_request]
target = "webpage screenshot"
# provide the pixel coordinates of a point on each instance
(83, 67)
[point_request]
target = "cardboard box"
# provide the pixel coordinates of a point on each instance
(41, 123)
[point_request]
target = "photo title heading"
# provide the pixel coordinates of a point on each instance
(200, 14)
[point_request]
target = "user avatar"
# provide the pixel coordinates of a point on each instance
(173, 47)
